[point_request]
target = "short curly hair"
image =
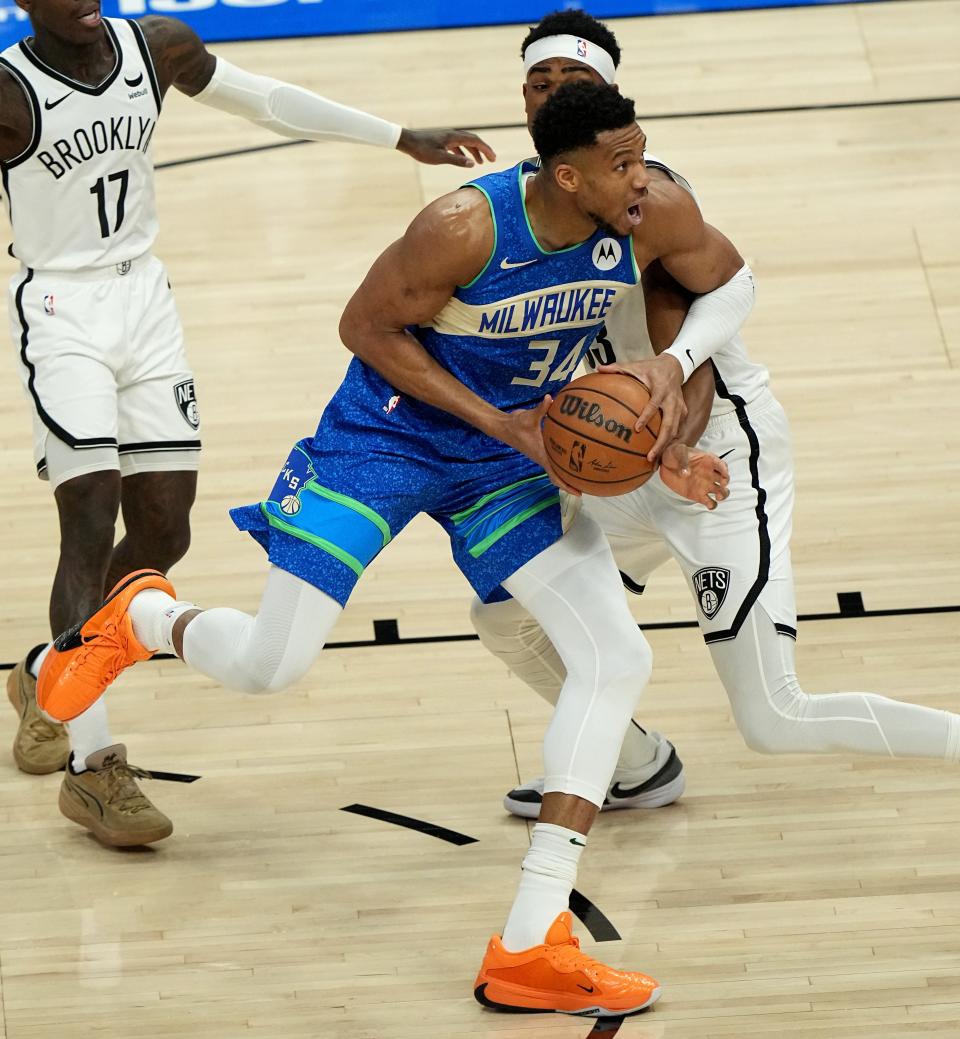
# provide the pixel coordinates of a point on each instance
(576, 114)
(574, 23)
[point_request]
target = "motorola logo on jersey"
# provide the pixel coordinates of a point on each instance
(711, 584)
(607, 254)
(125, 133)
(186, 399)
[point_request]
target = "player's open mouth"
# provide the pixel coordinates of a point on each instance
(91, 19)
(635, 214)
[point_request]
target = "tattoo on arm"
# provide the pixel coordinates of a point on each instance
(180, 56)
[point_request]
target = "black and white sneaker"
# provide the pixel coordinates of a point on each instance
(660, 783)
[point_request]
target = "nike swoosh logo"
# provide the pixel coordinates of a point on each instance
(134, 82)
(579, 844)
(506, 265)
(585, 989)
(48, 104)
(726, 454)
(618, 791)
(690, 355)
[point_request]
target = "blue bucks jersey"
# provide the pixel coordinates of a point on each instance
(516, 333)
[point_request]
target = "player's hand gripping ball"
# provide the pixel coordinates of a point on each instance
(590, 438)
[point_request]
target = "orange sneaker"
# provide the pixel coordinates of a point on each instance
(84, 660)
(557, 976)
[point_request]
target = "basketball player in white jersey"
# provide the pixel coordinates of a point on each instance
(99, 343)
(736, 560)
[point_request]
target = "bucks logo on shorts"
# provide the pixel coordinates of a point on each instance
(711, 584)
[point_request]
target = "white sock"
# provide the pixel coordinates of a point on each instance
(89, 732)
(153, 614)
(38, 660)
(639, 749)
(549, 873)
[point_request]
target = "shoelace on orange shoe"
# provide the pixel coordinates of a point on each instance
(109, 640)
(568, 956)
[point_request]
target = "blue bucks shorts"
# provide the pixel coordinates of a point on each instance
(344, 494)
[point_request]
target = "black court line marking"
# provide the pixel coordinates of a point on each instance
(386, 633)
(850, 604)
(600, 928)
(606, 1026)
(430, 829)
(388, 627)
(171, 777)
(230, 154)
(709, 113)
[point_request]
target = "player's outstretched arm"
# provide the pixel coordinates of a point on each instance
(447, 245)
(184, 62)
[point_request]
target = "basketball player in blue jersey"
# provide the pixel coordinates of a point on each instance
(487, 303)
(93, 321)
(737, 563)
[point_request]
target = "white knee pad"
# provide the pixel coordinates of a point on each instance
(508, 631)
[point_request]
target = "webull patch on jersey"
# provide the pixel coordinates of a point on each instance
(711, 584)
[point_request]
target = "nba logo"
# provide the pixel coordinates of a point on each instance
(48, 305)
(581, 48)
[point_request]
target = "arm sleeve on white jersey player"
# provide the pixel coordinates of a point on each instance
(291, 111)
(712, 321)
(714, 318)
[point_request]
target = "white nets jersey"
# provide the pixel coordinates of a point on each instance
(81, 195)
(625, 338)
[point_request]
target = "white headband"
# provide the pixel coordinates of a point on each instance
(584, 51)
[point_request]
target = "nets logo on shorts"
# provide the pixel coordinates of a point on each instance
(711, 584)
(186, 398)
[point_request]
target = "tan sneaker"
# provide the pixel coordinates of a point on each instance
(40, 746)
(107, 801)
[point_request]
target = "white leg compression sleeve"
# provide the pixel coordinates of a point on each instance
(573, 590)
(508, 631)
(776, 716)
(270, 651)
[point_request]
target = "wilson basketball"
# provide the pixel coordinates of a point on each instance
(590, 437)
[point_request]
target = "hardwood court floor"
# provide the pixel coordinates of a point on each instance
(793, 896)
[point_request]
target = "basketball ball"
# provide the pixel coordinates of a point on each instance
(590, 437)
